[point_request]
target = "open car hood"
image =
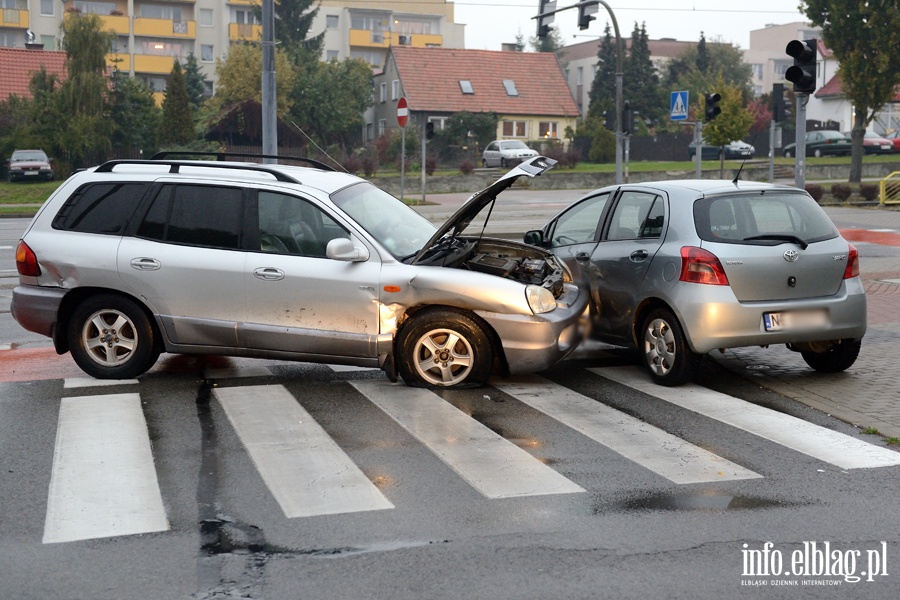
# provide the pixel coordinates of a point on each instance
(455, 225)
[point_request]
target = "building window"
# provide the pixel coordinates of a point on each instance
(383, 92)
(331, 21)
(95, 8)
(510, 86)
(331, 55)
(49, 42)
(245, 17)
(514, 129)
(207, 53)
(466, 86)
(382, 125)
(395, 89)
(161, 11)
(757, 70)
(439, 122)
(579, 73)
(548, 129)
(206, 17)
(47, 8)
(373, 59)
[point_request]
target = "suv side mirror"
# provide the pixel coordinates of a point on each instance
(344, 249)
(535, 237)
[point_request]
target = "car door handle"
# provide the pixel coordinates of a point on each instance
(145, 264)
(268, 273)
(582, 257)
(639, 255)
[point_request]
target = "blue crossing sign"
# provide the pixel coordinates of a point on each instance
(678, 108)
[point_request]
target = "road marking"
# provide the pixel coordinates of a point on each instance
(830, 446)
(103, 482)
(651, 447)
(5, 346)
(492, 465)
(351, 368)
(237, 372)
(306, 471)
(83, 382)
(6, 247)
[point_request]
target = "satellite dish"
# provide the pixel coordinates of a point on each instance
(29, 36)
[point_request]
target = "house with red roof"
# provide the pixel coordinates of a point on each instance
(527, 91)
(20, 64)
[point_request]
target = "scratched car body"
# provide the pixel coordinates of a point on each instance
(134, 258)
(677, 269)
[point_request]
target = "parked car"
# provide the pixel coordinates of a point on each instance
(894, 136)
(29, 165)
(734, 150)
(822, 143)
(677, 269)
(505, 153)
(874, 143)
(133, 258)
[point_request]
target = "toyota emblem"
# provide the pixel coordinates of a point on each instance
(791, 255)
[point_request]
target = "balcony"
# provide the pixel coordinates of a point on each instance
(245, 2)
(11, 17)
(244, 32)
(121, 62)
(150, 63)
(384, 39)
(165, 28)
(115, 24)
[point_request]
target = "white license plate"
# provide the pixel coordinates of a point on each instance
(27, 173)
(794, 320)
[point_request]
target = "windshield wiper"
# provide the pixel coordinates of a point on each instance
(779, 237)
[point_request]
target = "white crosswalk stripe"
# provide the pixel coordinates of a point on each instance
(822, 443)
(492, 465)
(71, 383)
(103, 482)
(306, 471)
(648, 446)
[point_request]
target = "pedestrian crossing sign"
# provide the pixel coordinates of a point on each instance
(678, 108)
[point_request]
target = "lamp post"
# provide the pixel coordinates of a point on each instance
(269, 106)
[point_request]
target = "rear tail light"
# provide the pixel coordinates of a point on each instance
(852, 269)
(701, 266)
(26, 261)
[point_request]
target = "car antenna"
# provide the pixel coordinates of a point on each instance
(738, 176)
(319, 147)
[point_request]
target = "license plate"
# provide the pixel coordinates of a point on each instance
(27, 173)
(794, 320)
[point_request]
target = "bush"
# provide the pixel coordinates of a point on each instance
(603, 148)
(869, 191)
(352, 163)
(816, 191)
(369, 164)
(467, 167)
(841, 191)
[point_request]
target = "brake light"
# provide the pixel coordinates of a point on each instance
(701, 266)
(26, 261)
(852, 269)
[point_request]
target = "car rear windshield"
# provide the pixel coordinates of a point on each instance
(764, 218)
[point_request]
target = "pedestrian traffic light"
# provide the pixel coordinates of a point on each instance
(712, 106)
(429, 129)
(778, 107)
(803, 73)
(543, 19)
(586, 14)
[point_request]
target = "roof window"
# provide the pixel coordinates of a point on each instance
(510, 86)
(466, 86)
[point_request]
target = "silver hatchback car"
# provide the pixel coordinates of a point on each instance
(134, 258)
(679, 268)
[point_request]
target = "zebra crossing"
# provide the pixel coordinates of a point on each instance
(104, 484)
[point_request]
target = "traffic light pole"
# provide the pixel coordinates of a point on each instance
(698, 144)
(800, 164)
(772, 151)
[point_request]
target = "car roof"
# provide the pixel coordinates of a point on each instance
(712, 186)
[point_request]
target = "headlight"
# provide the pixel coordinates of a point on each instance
(539, 299)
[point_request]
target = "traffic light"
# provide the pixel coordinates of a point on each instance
(803, 73)
(586, 15)
(543, 22)
(610, 117)
(712, 106)
(429, 129)
(778, 107)
(627, 118)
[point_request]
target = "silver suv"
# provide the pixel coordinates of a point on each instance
(134, 258)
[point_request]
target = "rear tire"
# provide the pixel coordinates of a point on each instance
(110, 337)
(837, 358)
(443, 348)
(788, 154)
(667, 357)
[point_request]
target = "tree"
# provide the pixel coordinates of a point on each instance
(177, 125)
(603, 87)
(134, 113)
(293, 20)
(483, 127)
(863, 36)
(733, 123)
(240, 78)
(641, 87)
(702, 61)
(549, 43)
(194, 81)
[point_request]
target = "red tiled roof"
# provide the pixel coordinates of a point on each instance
(430, 78)
(835, 87)
(20, 64)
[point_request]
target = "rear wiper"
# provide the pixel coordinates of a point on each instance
(779, 237)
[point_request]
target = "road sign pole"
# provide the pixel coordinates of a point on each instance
(402, 161)
(772, 151)
(698, 143)
(800, 146)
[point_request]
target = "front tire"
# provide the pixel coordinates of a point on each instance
(817, 153)
(667, 357)
(110, 337)
(788, 154)
(837, 358)
(444, 348)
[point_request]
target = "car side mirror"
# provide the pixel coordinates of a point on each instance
(344, 249)
(535, 237)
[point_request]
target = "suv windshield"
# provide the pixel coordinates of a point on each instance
(765, 219)
(397, 227)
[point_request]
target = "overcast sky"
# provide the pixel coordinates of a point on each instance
(489, 23)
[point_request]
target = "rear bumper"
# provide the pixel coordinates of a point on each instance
(37, 308)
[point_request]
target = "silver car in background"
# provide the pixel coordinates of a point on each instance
(679, 268)
(506, 153)
(134, 258)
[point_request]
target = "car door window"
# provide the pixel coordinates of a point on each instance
(291, 225)
(636, 215)
(580, 223)
(196, 215)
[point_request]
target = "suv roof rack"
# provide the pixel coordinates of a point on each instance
(175, 167)
(223, 155)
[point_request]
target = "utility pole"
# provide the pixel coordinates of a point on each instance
(269, 106)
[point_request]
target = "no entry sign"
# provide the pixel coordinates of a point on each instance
(402, 112)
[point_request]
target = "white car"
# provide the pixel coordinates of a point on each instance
(506, 153)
